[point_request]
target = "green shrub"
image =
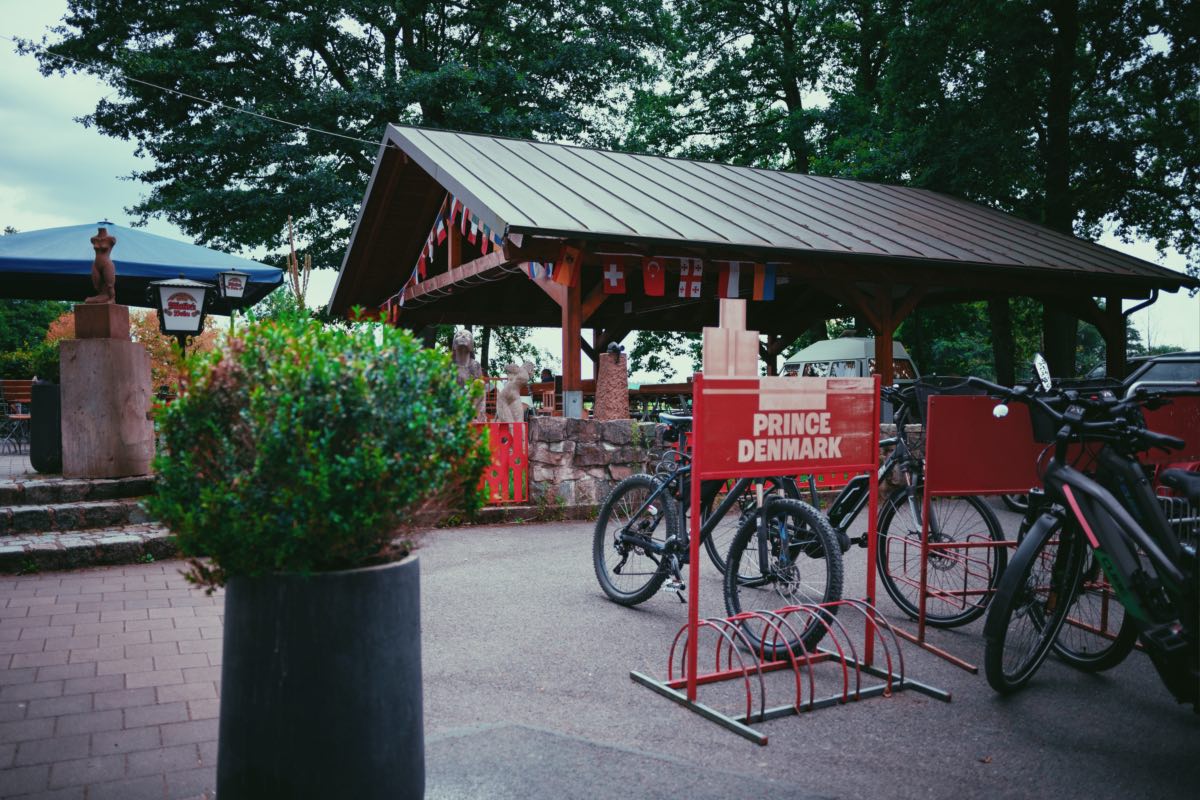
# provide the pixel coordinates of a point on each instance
(16, 365)
(302, 448)
(44, 362)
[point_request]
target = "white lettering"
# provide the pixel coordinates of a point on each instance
(835, 447)
(745, 450)
(760, 424)
(824, 422)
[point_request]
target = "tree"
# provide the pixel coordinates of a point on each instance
(23, 323)
(532, 68)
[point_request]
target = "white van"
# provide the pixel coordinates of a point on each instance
(848, 357)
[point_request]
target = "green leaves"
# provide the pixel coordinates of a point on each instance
(304, 448)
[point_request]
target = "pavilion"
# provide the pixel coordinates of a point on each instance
(461, 229)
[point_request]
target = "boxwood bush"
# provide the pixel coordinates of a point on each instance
(299, 447)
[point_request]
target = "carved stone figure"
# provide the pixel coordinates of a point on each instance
(462, 350)
(509, 407)
(612, 385)
(104, 272)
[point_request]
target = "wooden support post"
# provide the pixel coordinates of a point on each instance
(572, 369)
(454, 248)
(1113, 332)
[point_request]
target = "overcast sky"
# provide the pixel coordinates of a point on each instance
(54, 171)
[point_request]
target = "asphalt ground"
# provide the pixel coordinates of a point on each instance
(109, 686)
(528, 694)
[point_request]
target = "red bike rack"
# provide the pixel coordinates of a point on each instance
(731, 417)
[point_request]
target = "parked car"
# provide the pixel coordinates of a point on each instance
(1168, 369)
(848, 357)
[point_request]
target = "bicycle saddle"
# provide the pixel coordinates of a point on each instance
(676, 421)
(1182, 481)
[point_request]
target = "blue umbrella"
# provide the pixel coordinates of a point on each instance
(56, 264)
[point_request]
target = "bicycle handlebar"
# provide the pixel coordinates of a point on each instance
(1119, 425)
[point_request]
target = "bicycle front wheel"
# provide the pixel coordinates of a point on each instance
(960, 581)
(1031, 604)
(803, 566)
(628, 540)
(1097, 634)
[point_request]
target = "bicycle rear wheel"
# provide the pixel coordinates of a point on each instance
(960, 580)
(1097, 634)
(804, 566)
(627, 566)
(1031, 604)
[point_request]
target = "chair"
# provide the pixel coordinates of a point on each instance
(16, 396)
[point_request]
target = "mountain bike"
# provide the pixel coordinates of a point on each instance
(1110, 519)
(641, 541)
(960, 582)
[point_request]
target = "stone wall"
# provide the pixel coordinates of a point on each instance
(578, 461)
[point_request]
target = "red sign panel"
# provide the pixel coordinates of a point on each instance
(749, 427)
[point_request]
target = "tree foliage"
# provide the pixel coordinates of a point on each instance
(530, 68)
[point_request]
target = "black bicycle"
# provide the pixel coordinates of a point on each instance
(642, 543)
(1108, 523)
(960, 581)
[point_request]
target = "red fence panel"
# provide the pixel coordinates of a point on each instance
(507, 477)
(1181, 418)
(969, 451)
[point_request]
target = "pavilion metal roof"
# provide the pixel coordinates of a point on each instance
(522, 186)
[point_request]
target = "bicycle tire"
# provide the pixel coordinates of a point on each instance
(612, 558)
(1090, 639)
(813, 574)
(1031, 604)
(898, 556)
(721, 537)
(1016, 502)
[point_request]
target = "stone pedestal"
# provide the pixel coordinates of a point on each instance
(101, 321)
(105, 382)
(612, 387)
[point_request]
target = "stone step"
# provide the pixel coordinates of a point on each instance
(17, 520)
(45, 491)
(57, 550)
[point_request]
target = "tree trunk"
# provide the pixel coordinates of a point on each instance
(1003, 346)
(1059, 329)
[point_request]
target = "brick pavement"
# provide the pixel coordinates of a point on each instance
(109, 684)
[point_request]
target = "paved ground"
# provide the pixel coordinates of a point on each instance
(15, 465)
(109, 686)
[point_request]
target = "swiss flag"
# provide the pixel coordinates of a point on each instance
(614, 276)
(690, 275)
(654, 278)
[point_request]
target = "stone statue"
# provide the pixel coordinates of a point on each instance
(462, 349)
(509, 407)
(104, 272)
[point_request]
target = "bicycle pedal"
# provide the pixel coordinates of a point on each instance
(675, 586)
(861, 541)
(1169, 637)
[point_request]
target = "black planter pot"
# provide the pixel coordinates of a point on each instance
(321, 686)
(45, 428)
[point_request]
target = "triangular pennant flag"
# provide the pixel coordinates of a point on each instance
(566, 269)
(441, 230)
(654, 278)
(614, 275)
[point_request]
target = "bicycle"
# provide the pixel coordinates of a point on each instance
(961, 584)
(640, 542)
(1112, 520)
